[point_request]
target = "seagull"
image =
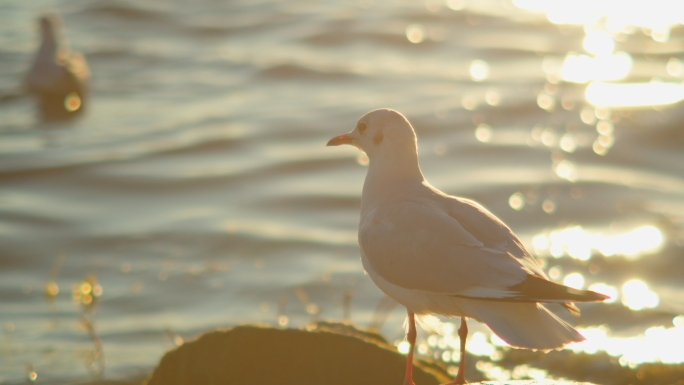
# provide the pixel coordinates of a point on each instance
(440, 254)
(58, 76)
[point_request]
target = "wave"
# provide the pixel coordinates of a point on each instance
(124, 10)
(295, 71)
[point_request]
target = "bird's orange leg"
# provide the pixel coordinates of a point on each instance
(411, 336)
(462, 334)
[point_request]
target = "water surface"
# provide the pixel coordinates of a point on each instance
(197, 192)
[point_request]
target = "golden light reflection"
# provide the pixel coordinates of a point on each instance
(479, 346)
(72, 102)
(658, 16)
(479, 70)
(577, 243)
(605, 22)
(51, 289)
(493, 97)
(469, 103)
(483, 133)
(587, 116)
(555, 272)
(566, 169)
(598, 43)
(675, 67)
(580, 68)
(403, 347)
(678, 321)
(546, 101)
(634, 94)
(610, 291)
(568, 143)
(548, 137)
(574, 280)
(86, 292)
(637, 296)
(493, 372)
(549, 206)
(519, 372)
(605, 128)
(415, 33)
(517, 201)
(657, 344)
(456, 5)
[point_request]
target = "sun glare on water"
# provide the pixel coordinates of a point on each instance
(578, 243)
(656, 344)
(634, 94)
(605, 22)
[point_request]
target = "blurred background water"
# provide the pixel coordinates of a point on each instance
(196, 191)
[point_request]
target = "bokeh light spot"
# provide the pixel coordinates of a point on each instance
(72, 102)
(493, 97)
(546, 101)
(605, 127)
(574, 280)
(637, 296)
(479, 70)
(483, 133)
(610, 291)
(415, 33)
(598, 43)
(517, 201)
(675, 67)
(568, 143)
(567, 170)
(456, 5)
(404, 347)
(549, 206)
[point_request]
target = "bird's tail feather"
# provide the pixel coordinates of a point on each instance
(524, 325)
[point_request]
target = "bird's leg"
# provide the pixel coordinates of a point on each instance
(462, 334)
(411, 336)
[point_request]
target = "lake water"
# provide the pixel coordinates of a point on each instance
(196, 191)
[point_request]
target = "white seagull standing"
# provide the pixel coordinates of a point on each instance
(440, 254)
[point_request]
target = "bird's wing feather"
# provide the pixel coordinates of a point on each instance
(491, 231)
(417, 245)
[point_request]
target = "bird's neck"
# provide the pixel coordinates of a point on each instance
(48, 46)
(388, 176)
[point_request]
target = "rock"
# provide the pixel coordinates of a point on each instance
(327, 353)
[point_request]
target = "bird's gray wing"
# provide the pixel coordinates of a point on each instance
(491, 231)
(417, 245)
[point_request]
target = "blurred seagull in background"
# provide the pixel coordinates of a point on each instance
(440, 254)
(58, 77)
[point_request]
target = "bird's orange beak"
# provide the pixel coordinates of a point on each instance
(340, 139)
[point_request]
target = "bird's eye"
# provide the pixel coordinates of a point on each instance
(361, 127)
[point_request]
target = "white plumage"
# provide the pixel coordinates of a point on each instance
(439, 254)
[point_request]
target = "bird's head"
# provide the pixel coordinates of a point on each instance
(380, 133)
(50, 25)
